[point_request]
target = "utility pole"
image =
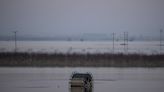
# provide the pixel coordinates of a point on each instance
(160, 40)
(125, 42)
(127, 39)
(113, 41)
(15, 39)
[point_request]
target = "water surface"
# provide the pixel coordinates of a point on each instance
(148, 47)
(105, 79)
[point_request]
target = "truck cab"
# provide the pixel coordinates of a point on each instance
(81, 82)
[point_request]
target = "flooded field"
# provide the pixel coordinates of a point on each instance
(105, 79)
(148, 47)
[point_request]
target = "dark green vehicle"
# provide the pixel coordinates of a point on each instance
(81, 82)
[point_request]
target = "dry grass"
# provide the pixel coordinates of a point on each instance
(79, 60)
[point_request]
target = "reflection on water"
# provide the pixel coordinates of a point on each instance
(105, 79)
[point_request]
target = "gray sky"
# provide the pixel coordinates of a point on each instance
(72, 17)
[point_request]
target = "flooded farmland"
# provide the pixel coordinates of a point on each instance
(141, 47)
(105, 79)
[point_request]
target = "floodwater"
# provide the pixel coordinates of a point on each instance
(105, 79)
(148, 47)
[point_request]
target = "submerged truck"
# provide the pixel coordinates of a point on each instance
(81, 82)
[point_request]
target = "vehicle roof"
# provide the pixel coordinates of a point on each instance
(86, 76)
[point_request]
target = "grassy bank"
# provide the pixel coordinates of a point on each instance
(80, 60)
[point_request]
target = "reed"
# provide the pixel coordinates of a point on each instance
(80, 60)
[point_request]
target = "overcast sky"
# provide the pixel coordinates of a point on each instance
(73, 17)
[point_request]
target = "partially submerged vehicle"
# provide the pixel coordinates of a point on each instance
(81, 82)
